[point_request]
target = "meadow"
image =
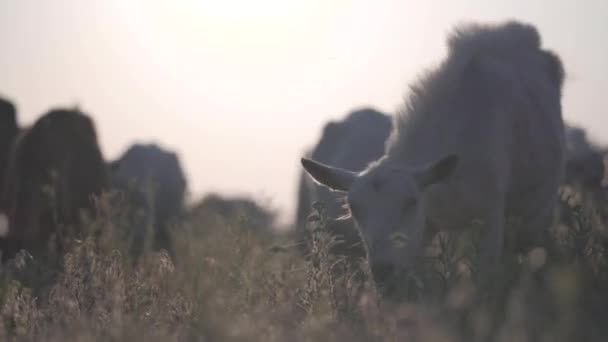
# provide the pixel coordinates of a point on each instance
(232, 280)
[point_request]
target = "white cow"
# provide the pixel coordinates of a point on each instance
(480, 138)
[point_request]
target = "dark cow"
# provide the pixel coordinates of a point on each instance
(350, 144)
(584, 161)
(584, 176)
(55, 169)
(247, 213)
(155, 184)
(8, 132)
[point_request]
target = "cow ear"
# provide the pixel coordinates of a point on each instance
(332, 177)
(437, 171)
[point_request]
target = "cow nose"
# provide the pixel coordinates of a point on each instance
(383, 271)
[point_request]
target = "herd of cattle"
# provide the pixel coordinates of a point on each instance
(52, 172)
(481, 138)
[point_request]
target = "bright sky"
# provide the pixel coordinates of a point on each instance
(241, 87)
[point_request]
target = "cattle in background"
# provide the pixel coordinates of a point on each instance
(55, 169)
(352, 143)
(8, 132)
(240, 211)
(155, 185)
(479, 139)
(584, 161)
(583, 185)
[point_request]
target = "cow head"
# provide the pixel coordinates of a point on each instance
(387, 204)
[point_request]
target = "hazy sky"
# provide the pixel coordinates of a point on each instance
(241, 87)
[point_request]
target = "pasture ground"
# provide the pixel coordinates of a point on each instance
(230, 283)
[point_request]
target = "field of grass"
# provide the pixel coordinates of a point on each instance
(229, 282)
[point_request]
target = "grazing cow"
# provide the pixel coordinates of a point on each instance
(245, 211)
(352, 144)
(583, 178)
(584, 161)
(480, 138)
(155, 184)
(55, 168)
(8, 132)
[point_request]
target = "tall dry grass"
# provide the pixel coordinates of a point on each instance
(232, 283)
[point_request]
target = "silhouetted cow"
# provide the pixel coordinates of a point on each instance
(155, 184)
(583, 184)
(8, 132)
(244, 211)
(351, 144)
(54, 170)
(584, 161)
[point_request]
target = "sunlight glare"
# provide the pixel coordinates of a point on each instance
(247, 10)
